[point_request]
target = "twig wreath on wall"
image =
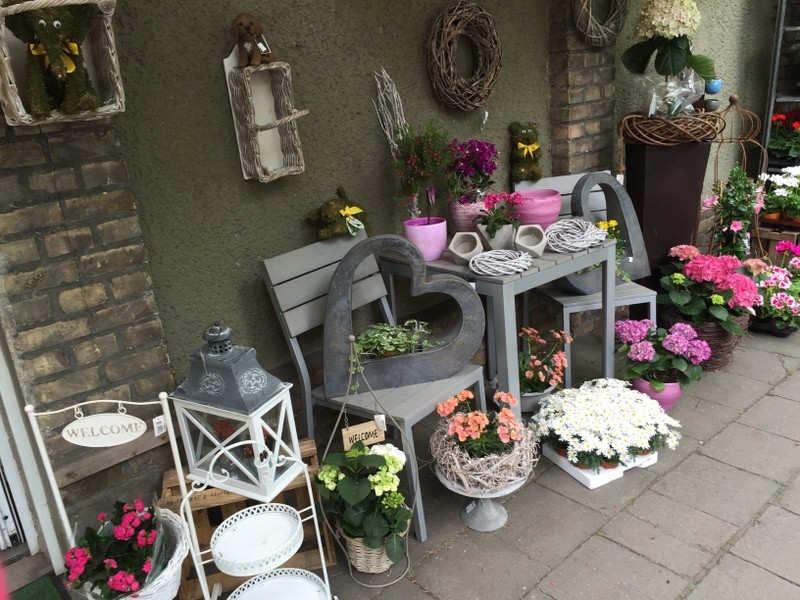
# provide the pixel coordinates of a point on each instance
(599, 33)
(471, 21)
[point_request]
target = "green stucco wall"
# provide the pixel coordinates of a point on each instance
(204, 225)
(206, 228)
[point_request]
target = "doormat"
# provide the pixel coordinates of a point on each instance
(48, 587)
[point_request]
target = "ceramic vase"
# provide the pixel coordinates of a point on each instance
(462, 216)
(539, 207)
(530, 239)
(503, 238)
(428, 235)
(666, 398)
(464, 246)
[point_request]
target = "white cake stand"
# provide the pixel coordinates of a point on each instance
(482, 513)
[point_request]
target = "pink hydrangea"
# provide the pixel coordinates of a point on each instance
(676, 343)
(683, 329)
(630, 332)
(684, 252)
(698, 351)
(642, 351)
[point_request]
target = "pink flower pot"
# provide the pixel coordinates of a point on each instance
(666, 398)
(430, 237)
(539, 207)
(462, 216)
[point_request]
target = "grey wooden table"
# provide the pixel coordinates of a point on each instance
(500, 291)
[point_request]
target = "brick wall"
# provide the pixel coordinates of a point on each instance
(76, 301)
(581, 96)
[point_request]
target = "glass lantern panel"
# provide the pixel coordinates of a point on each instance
(212, 434)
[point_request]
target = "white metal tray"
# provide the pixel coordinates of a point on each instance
(257, 539)
(294, 584)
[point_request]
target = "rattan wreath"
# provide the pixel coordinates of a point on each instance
(572, 235)
(671, 131)
(595, 32)
(500, 262)
(474, 23)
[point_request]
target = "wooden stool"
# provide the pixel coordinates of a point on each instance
(626, 294)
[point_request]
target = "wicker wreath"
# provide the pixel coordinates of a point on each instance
(453, 90)
(487, 474)
(671, 131)
(595, 32)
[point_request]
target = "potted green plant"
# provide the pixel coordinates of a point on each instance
(421, 160)
(784, 137)
(359, 492)
(778, 313)
(383, 339)
(736, 205)
(470, 177)
(784, 192)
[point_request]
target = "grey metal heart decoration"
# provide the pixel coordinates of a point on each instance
(458, 344)
(620, 208)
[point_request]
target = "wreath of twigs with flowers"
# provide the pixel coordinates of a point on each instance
(595, 32)
(471, 21)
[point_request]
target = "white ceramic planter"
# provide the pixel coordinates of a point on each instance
(530, 239)
(464, 246)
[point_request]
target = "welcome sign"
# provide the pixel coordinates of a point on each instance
(104, 430)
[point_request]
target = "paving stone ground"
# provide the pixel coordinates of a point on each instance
(717, 519)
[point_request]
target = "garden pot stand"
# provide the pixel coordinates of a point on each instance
(482, 513)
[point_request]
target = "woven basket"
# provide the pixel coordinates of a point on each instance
(670, 131)
(721, 342)
(165, 586)
(490, 473)
(363, 558)
(99, 44)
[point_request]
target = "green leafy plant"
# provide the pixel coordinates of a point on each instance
(422, 160)
(665, 26)
(784, 191)
(784, 137)
(383, 339)
(735, 205)
(358, 490)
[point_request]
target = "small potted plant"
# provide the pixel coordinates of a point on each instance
(474, 162)
(359, 492)
(660, 362)
(784, 138)
(421, 161)
(602, 424)
(468, 445)
(132, 552)
(778, 313)
(541, 365)
(714, 294)
(497, 223)
(784, 192)
(383, 339)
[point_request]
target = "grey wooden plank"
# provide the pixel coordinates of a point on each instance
(309, 258)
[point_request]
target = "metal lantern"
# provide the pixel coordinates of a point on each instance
(236, 420)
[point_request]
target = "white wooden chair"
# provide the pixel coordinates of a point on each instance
(298, 283)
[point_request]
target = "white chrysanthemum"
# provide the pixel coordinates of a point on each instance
(668, 19)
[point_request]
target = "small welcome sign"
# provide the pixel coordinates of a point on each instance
(104, 430)
(367, 433)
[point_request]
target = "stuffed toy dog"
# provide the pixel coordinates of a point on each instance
(338, 217)
(57, 76)
(525, 152)
(253, 47)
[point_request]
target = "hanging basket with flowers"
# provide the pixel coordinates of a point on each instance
(482, 452)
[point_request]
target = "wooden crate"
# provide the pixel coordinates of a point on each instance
(212, 506)
(770, 236)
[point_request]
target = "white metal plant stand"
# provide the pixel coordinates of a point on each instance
(256, 540)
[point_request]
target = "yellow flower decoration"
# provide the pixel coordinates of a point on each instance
(717, 299)
(603, 224)
(678, 278)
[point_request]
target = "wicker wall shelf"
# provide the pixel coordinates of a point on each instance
(264, 117)
(100, 53)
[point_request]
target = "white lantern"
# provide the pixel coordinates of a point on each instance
(236, 420)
